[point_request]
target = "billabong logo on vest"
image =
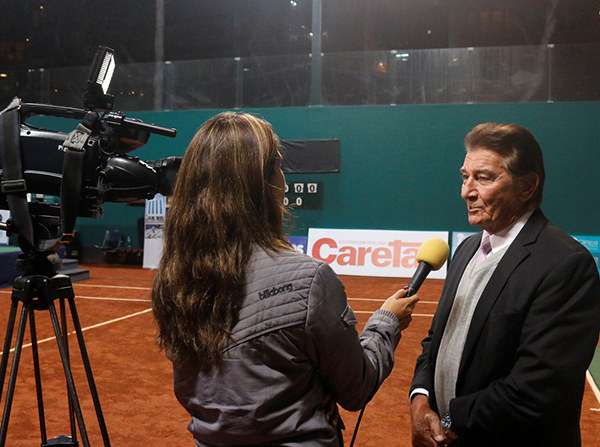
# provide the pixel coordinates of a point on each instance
(268, 293)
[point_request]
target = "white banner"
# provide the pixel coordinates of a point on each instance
(4, 216)
(371, 252)
(154, 225)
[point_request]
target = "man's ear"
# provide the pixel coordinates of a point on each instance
(529, 184)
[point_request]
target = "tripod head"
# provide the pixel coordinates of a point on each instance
(82, 169)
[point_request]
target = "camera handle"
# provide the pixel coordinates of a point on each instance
(46, 289)
(72, 178)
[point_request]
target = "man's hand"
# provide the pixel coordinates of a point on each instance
(427, 429)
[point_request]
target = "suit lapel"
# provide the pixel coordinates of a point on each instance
(515, 254)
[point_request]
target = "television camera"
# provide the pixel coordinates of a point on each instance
(84, 168)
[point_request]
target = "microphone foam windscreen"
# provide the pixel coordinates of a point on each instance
(434, 251)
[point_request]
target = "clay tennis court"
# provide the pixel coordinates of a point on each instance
(134, 379)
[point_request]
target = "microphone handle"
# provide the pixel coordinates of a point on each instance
(418, 278)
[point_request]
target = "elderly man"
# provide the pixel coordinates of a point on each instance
(518, 321)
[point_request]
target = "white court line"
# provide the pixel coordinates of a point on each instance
(376, 300)
(148, 300)
(414, 315)
(113, 287)
(106, 298)
(99, 287)
(89, 327)
(592, 383)
(382, 300)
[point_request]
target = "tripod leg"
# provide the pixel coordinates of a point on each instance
(88, 370)
(7, 341)
(13, 374)
(68, 375)
(63, 318)
(38, 377)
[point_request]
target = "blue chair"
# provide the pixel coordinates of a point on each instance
(112, 239)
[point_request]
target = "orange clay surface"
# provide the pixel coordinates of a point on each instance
(134, 379)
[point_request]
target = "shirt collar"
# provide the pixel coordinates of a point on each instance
(504, 238)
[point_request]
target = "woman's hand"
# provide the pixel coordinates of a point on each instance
(401, 307)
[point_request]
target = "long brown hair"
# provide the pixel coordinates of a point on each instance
(223, 206)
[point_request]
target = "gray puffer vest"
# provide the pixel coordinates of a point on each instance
(294, 347)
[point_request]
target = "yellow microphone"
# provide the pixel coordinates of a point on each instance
(431, 256)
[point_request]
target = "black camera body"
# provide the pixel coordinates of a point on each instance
(84, 168)
(107, 173)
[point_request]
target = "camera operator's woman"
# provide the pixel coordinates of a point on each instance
(262, 339)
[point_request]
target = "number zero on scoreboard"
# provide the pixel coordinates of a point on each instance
(304, 195)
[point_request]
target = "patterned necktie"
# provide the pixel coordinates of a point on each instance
(484, 249)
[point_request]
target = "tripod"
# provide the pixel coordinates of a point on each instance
(37, 290)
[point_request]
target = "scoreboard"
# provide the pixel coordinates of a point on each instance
(304, 195)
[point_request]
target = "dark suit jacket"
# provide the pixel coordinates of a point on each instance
(533, 335)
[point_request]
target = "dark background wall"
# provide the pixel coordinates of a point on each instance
(400, 164)
(32, 31)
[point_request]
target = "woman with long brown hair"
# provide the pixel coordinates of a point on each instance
(262, 339)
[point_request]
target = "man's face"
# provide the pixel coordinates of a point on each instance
(493, 201)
